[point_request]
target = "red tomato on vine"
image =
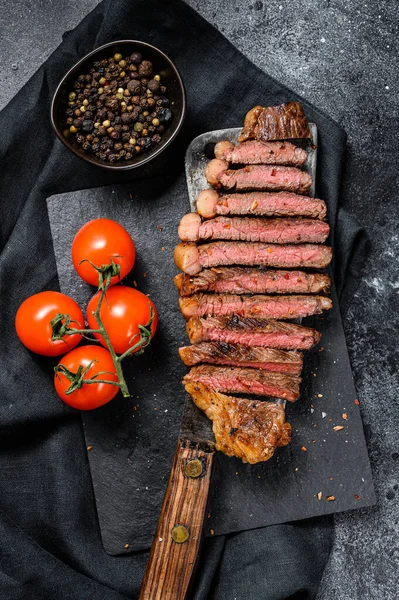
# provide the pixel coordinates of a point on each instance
(95, 363)
(33, 323)
(99, 242)
(122, 311)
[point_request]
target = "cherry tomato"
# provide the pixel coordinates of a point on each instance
(99, 241)
(33, 323)
(122, 311)
(90, 395)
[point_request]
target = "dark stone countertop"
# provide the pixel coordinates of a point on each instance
(342, 57)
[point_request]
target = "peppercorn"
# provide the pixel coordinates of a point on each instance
(145, 68)
(69, 121)
(88, 114)
(138, 127)
(87, 125)
(73, 129)
(117, 57)
(126, 93)
(165, 115)
(155, 122)
(112, 158)
(134, 86)
(136, 58)
(160, 129)
(102, 80)
(122, 63)
(144, 132)
(65, 133)
(125, 117)
(110, 129)
(101, 130)
(151, 128)
(100, 91)
(77, 123)
(135, 99)
(153, 85)
(145, 143)
(115, 135)
(128, 156)
(151, 102)
(106, 123)
(118, 146)
(156, 138)
(112, 103)
(163, 89)
(86, 146)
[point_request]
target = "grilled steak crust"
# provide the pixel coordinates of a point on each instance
(248, 429)
(263, 307)
(282, 122)
(267, 204)
(245, 280)
(191, 259)
(260, 177)
(251, 229)
(252, 332)
(237, 355)
(245, 381)
(261, 153)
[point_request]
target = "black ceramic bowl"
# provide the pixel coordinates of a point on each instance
(162, 65)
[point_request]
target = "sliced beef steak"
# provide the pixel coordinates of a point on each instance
(248, 429)
(251, 229)
(252, 332)
(245, 381)
(261, 153)
(246, 280)
(237, 355)
(191, 259)
(263, 307)
(258, 177)
(267, 204)
(282, 122)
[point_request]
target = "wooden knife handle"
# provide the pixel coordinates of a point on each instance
(176, 545)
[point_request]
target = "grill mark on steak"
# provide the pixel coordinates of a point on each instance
(245, 280)
(252, 332)
(256, 357)
(261, 177)
(248, 429)
(268, 204)
(245, 381)
(282, 122)
(257, 153)
(251, 229)
(269, 307)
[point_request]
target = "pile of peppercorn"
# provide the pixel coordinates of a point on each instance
(119, 109)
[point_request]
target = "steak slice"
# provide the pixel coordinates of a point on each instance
(261, 153)
(282, 122)
(245, 381)
(237, 355)
(251, 229)
(263, 307)
(266, 204)
(252, 332)
(246, 280)
(191, 259)
(248, 429)
(258, 177)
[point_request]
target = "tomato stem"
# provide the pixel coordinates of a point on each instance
(103, 331)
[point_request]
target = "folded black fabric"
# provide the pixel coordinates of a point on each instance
(50, 544)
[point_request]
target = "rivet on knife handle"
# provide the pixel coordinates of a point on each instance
(193, 468)
(177, 541)
(180, 534)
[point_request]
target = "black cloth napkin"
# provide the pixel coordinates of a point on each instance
(50, 543)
